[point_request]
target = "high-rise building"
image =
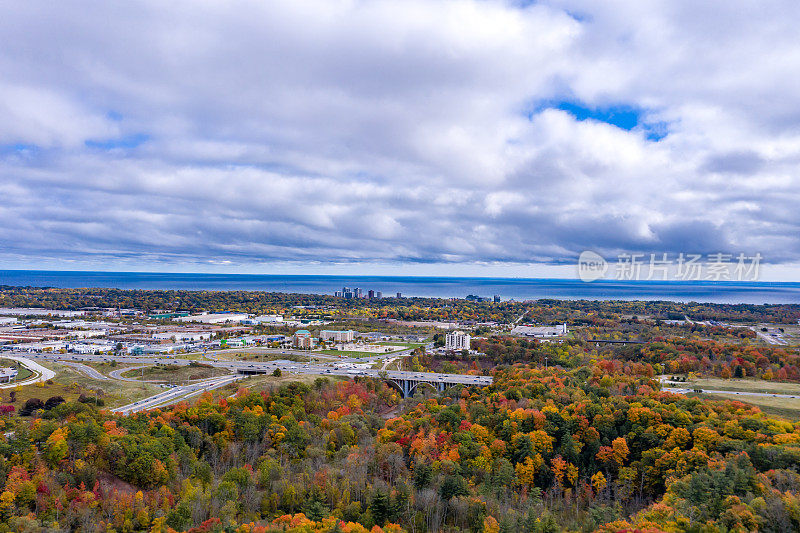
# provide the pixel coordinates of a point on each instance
(399, 295)
(496, 298)
(371, 294)
(379, 295)
(458, 340)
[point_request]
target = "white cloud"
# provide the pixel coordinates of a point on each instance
(395, 130)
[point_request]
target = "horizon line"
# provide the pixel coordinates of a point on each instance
(412, 276)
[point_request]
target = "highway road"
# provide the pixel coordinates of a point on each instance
(85, 370)
(117, 374)
(284, 366)
(339, 367)
(176, 394)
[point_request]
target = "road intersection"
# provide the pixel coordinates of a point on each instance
(405, 381)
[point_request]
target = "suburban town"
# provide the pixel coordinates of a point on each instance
(395, 362)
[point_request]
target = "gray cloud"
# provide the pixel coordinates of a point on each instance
(392, 131)
(746, 162)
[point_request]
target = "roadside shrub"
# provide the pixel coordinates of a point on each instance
(33, 404)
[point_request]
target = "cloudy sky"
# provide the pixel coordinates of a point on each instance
(396, 136)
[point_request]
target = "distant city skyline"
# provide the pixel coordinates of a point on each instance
(451, 138)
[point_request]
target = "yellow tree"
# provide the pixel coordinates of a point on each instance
(599, 481)
(526, 472)
(620, 448)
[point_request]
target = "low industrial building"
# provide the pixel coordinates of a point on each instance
(167, 315)
(214, 318)
(184, 336)
(85, 348)
(162, 349)
(35, 311)
(88, 333)
(541, 332)
(53, 346)
(8, 374)
(263, 319)
(233, 343)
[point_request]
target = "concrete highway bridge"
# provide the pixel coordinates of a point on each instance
(598, 342)
(405, 382)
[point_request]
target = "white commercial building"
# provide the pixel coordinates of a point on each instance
(35, 311)
(163, 348)
(214, 318)
(50, 346)
(263, 319)
(541, 332)
(87, 333)
(182, 335)
(458, 340)
(90, 348)
(346, 335)
(7, 374)
(7, 320)
(72, 324)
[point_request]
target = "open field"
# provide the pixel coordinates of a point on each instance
(777, 334)
(70, 384)
(788, 408)
(790, 335)
(743, 385)
(369, 350)
(106, 368)
(174, 373)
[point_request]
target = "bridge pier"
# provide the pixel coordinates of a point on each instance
(406, 386)
(409, 386)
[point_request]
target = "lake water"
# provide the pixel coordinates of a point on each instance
(444, 287)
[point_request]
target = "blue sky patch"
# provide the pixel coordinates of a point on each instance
(622, 116)
(18, 148)
(129, 141)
